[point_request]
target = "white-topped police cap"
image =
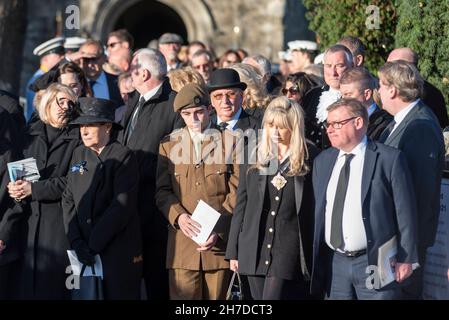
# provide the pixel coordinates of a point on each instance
(55, 45)
(302, 45)
(74, 43)
(285, 55)
(319, 59)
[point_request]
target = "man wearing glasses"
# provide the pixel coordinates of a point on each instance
(103, 84)
(119, 39)
(226, 94)
(364, 202)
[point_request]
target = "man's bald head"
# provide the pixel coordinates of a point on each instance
(405, 54)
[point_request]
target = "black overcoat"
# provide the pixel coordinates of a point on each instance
(100, 208)
(42, 272)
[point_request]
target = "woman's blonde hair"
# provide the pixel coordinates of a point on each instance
(285, 113)
(180, 77)
(255, 94)
(43, 107)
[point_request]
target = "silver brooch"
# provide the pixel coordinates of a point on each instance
(278, 181)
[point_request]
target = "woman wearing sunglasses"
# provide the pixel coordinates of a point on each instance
(297, 85)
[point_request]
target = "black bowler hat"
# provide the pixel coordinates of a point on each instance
(95, 110)
(225, 78)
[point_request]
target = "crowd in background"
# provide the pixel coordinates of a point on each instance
(358, 161)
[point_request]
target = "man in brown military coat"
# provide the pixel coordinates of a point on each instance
(192, 166)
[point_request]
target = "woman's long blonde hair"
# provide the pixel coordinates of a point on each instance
(288, 114)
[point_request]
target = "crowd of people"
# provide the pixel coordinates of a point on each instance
(314, 169)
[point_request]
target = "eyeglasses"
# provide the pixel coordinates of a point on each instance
(229, 95)
(113, 44)
(338, 124)
(91, 60)
(292, 90)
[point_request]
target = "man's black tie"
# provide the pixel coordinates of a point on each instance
(222, 126)
(91, 84)
(132, 123)
(339, 203)
(384, 135)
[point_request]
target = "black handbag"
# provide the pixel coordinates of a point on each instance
(91, 287)
(235, 289)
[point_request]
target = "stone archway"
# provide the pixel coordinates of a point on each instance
(191, 19)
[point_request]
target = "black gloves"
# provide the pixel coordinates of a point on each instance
(85, 255)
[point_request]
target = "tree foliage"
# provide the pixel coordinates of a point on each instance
(424, 27)
(331, 20)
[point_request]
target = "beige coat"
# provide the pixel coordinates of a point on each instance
(181, 186)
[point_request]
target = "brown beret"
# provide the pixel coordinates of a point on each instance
(191, 95)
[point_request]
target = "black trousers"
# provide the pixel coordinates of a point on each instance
(271, 288)
(8, 281)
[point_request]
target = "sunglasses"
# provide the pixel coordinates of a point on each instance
(292, 90)
(91, 60)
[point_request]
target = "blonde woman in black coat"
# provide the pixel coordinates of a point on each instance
(270, 239)
(100, 202)
(37, 216)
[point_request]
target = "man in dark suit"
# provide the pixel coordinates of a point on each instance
(431, 96)
(226, 94)
(417, 133)
(364, 200)
(104, 85)
(337, 59)
(357, 83)
(148, 119)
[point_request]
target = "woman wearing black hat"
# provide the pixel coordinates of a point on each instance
(37, 212)
(100, 201)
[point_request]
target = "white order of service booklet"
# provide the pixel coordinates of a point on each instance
(207, 217)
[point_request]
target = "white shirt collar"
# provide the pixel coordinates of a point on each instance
(150, 94)
(196, 134)
(400, 116)
(358, 149)
(233, 121)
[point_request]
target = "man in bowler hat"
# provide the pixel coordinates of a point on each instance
(226, 95)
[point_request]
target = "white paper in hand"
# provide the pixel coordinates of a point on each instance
(77, 265)
(23, 170)
(207, 217)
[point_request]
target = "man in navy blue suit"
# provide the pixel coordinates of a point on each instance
(364, 200)
(416, 132)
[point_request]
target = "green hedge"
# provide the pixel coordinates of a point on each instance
(421, 25)
(332, 19)
(424, 27)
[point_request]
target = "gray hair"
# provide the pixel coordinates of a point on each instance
(264, 63)
(203, 52)
(340, 48)
(153, 61)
